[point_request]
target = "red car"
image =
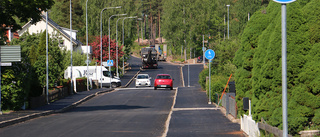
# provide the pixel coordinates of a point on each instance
(163, 81)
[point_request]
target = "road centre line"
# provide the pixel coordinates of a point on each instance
(181, 109)
(167, 124)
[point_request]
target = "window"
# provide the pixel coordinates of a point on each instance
(163, 77)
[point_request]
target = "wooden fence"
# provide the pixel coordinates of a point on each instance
(270, 129)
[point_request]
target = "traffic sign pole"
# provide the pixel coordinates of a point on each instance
(209, 54)
(209, 82)
(284, 63)
(284, 69)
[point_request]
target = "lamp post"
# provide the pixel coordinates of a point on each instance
(140, 19)
(101, 41)
(228, 20)
(117, 39)
(203, 59)
(110, 39)
(87, 45)
(47, 62)
(71, 46)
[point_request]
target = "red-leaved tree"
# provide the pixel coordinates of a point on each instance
(105, 50)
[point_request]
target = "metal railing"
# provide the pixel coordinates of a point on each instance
(230, 104)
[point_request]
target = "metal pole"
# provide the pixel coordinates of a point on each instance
(209, 81)
(284, 69)
(203, 50)
(87, 45)
(47, 64)
(117, 44)
(109, 42)
(101, 42)
(122, 38)
(101, 47)
(71, 46)
(189, 70)
(228, 20)
(0, 83)
(188, 74)
(123, 44)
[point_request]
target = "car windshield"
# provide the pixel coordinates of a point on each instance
(107, 74)
(163, 77)
(142, 77)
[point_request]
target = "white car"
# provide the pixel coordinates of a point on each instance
(143, 80)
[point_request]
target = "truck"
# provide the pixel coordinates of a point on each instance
(99, 73)
(149, 57)
(162, 53)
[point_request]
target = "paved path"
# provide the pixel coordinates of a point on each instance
(192, 116)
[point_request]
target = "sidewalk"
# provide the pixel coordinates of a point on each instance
(61, 105)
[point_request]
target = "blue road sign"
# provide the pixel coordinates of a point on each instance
(204, 48)
(209, 54)
(110, 63)
(284, 1)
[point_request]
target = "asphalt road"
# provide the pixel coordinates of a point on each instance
(137, 112)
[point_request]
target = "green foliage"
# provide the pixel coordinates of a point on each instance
(12, 96)
(130, 7)
(42, 44)
(202, 78)
(22, 9)
(316, 118)
(29, 75)
(258, 63)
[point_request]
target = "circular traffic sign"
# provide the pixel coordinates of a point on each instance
(284, 1)
(209, 54)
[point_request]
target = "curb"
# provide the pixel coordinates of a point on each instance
(49, 112)
(229, 116)
(131, 80)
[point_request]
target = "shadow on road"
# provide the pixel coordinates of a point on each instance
(108, 107)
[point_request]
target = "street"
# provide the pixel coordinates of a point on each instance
(138, 112)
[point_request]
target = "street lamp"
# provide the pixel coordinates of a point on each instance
(110, 39)
(87, 45)
(101, 41)
(71, 46)
(140, 19)
(47, 62)
(228, 20)
(117, 39)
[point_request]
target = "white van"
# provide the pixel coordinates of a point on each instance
(99, 73)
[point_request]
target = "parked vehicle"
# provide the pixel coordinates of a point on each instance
(163, 81)
(143, 80)
(94, 73)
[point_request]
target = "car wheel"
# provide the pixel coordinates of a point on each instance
(155, 88)
(171, 88)
(136, 86)
(113, 85)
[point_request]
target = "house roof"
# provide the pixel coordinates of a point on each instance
(58, 28)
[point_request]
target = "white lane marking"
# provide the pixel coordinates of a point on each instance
(181, 109)
(165, 133)
(181, 73)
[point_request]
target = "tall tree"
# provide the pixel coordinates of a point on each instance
(23, 10)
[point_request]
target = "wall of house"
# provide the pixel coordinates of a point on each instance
(40, 27)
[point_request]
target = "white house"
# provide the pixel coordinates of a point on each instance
(63, 34)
